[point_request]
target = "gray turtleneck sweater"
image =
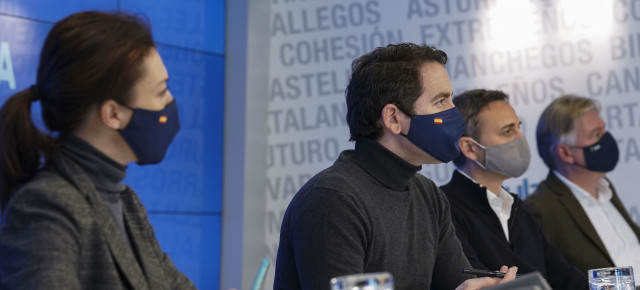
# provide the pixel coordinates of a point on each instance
(74, 225)
(369, 212)
(105, 173)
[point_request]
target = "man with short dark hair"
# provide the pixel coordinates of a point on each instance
(577, 206)
(371, 211)
(492, 224)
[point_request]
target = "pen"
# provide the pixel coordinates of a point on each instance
(485, 273)
(262, 271)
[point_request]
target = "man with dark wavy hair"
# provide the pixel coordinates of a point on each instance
(371, 211)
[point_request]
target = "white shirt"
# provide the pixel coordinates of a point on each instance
(616, 235)
(500, 204)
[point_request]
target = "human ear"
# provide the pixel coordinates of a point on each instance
(564, 153)
(467, 148)
(393, 119)
(113, 115)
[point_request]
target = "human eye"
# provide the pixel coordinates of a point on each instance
(598, 134)
(164, 92)
(441, 102)
(512, 129)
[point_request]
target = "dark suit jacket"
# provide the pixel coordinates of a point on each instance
(57, 233)
(485, 245)
(567, 226)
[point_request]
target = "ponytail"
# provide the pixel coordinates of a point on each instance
(23, 147)
(87, 58)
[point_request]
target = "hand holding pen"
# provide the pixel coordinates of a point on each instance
(486, 273)
(482, 282)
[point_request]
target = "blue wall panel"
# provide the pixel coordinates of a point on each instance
(183, 194)
(190, 176)
(20, 44)
(196, 24)
(52, 11)
(193, 243)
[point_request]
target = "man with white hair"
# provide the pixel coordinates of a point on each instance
(576, 205)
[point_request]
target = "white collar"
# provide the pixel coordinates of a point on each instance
(503, 194)
(603, 190)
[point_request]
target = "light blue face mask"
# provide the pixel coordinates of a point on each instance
(509, 159)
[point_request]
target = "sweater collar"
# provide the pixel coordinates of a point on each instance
(105, 173)
(462, 180)
(471, 189)
(383, 165)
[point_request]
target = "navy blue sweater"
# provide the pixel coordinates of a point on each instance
(485, 245)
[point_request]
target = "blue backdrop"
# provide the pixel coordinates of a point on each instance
(183, 194)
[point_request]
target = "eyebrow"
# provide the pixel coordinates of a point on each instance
(163, 81)
(596, 130)
(442, 95)
(511, 125)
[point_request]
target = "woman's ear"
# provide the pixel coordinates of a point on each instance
(114, 115)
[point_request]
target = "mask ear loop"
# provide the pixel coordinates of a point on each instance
(126, 106)
(582, 149)
(132, 112)
(483, 148)
(408, 115)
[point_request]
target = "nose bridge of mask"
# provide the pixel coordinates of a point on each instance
(593, 146)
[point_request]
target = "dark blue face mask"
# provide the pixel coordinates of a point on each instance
(149, 133)
(438, 134)
(603, 155)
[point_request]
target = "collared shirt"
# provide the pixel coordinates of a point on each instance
(616, 235)
(500, 204)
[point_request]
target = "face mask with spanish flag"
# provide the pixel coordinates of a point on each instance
(438, 134)
(149, 133)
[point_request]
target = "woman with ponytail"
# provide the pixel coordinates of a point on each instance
(68, 222)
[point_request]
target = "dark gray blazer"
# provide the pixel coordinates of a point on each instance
(567, 226)
(57, 233)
